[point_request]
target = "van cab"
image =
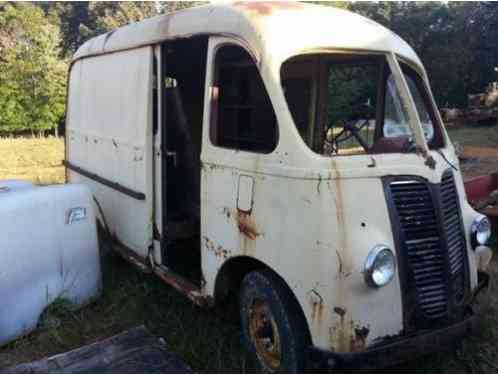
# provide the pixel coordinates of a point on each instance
(288, 159)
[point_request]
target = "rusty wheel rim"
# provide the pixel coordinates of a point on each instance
(264, 334)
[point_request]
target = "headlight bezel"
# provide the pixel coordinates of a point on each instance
(372, 259)
(480, 238)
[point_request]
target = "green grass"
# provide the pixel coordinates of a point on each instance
(478, 136)
(130, 298)
(34, 159)
(203, 340)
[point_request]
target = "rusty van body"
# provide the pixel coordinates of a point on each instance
(289, 159)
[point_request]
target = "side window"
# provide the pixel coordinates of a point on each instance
(242, 114)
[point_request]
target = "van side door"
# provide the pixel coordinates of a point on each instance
(240, 135)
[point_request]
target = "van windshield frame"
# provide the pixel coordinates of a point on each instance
(308, 81)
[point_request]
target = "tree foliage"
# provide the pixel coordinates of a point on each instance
(32, 75)
(455, 40)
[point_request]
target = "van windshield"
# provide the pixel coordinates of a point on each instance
(345, 104)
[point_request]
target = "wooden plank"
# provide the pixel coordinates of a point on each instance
(131, 352)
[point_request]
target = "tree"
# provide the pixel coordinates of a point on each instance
(81, 20)
(32, 76)
(443, 36)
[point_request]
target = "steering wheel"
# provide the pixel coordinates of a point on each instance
(350, 129)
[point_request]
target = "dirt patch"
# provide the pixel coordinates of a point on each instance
(473, 167)
(477, 161)
(480, 152)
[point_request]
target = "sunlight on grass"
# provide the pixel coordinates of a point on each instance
(34, 159)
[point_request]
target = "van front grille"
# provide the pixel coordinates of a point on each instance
(431, 247)
(454, 236)
(421, 237)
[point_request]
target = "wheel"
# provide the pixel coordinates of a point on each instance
(273, 326)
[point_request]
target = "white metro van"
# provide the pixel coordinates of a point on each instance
(289, 159)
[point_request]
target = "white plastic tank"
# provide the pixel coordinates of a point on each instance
(48, 250)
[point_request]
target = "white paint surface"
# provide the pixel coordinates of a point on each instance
(42, 257)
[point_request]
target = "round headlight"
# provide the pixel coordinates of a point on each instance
(380, 266)
(480, 231)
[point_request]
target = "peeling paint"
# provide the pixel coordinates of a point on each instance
(193, 293)
(359, 339)
(317, 308)
(340, 311)
(345, 335)
(218, 251)
(362, 332)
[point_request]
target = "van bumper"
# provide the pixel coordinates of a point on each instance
(401, 349)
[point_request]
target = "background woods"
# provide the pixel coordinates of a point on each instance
(455, 40)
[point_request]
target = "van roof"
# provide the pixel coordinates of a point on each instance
(272, 29)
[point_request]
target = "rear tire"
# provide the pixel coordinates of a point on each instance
(273, 325)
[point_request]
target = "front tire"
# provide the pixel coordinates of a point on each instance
(273, 325)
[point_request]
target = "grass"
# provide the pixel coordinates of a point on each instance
(202, 339)
(130, 298)
(479, 136)
(36, 160)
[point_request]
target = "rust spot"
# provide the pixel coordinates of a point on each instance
(246, 225)
(189, 290)
(217, 250)
(340, 311)
(359, 339)
(341, 271)
(317, 313)
(221, 252)
(316, 307)
(264, 8)
(340, 262)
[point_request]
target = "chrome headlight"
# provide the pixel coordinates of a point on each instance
(480, 231)
(380, 266)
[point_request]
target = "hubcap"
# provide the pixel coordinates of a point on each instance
(264, 334)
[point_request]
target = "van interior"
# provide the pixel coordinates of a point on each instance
(182, 83)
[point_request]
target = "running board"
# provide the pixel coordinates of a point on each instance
(181, 284)
(184, 286)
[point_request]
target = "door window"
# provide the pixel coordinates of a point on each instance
(242, 114)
